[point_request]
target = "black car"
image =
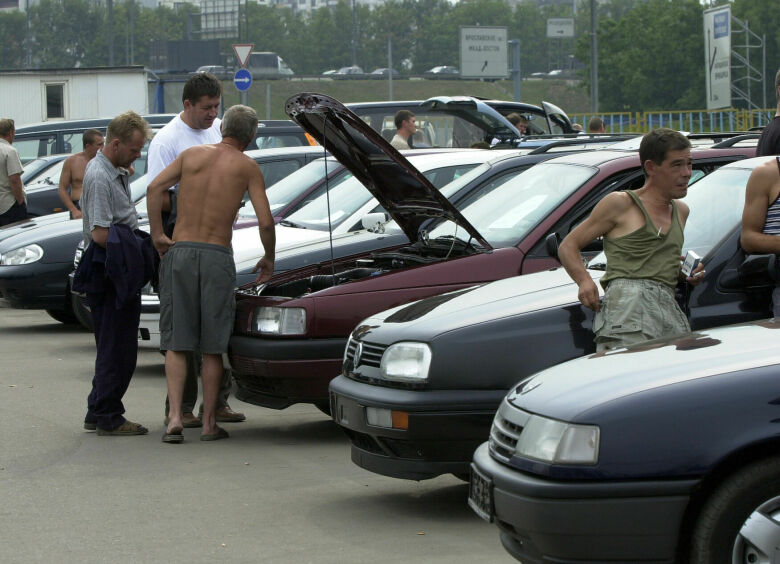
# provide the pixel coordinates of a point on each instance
(666, 451)
(459, 353)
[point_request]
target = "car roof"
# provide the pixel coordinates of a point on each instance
(97, 123)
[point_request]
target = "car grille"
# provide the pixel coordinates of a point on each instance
(370, 356)
(504, 433)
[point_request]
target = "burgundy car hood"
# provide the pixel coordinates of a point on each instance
(403, 191)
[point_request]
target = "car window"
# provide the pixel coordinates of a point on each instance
(275, 141)
(716, 202)
(30, 149)
(289, 188)
(273, 172)
(49, 176)
(507, 209)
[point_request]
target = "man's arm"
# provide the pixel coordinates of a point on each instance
(156, 196)
(62, 190)
(265, 221)
(17, 189)
(757, 196)
(600, 222)
(100, 236)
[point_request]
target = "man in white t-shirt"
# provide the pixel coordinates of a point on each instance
(196, 125)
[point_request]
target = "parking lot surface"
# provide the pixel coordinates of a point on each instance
(281, 489)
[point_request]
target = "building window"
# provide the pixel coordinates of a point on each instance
(55, 101)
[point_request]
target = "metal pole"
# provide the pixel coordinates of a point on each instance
(515, 43)
(354, 38)
(110, 4)
(390, 67)
(594, 60)
(267, 100)
(27, 39)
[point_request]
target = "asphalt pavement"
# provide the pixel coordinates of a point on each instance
(281, 489)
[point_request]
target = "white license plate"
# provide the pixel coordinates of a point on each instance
(481, 495)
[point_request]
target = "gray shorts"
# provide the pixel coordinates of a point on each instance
(636, 310)
(197, 303)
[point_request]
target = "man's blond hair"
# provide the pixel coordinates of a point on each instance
(6, 126)
(124, 125)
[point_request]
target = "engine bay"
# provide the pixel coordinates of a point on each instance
(377, 263)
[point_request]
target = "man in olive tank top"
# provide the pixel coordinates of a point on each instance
(643, 236)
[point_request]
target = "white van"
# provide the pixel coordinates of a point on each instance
(267, 64)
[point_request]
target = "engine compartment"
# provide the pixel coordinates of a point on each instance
(380, 262)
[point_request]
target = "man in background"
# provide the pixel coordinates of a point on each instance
(406, 126)
(596, 125)
(197, 124)
(72, 175)
(13, 200)
(769, 142)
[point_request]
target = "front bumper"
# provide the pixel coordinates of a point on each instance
(444, 427)
(37, 285)
(149, 325)
(545, 521)
(278, 373)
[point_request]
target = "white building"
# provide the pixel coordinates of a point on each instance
(32, 96)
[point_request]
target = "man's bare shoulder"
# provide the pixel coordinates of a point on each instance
(615, 203)
(766, 174)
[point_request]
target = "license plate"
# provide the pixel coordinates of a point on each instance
(481, 495)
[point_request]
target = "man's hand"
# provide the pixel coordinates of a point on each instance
(264, 269)
(77, 214)
(589, 294)
(696, 276)
(162, 243)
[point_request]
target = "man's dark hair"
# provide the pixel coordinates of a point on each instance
(657, 144)
(89, 136)
(6, 126)
(199, 85)
(515, 118)
(401, 116)
(596, 125)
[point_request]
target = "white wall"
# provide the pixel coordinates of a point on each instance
(89, 93)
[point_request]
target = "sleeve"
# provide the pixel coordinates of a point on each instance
(13, 163)
(98, 205)
(160, 156)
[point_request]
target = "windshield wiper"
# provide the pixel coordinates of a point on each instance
(452, 239)
(288, 223)
(597, 266)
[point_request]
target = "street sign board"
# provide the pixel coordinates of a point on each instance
(483, 52)
(560, 27)
(717, 52)
(242, 51)
(242, 79)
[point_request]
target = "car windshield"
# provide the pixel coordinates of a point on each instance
(48, 177)
(345, 196)
(504, 210)
(286, 190)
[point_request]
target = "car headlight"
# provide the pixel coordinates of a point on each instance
(279, 320)
(557, 442)
(22, 255)
(406, 362)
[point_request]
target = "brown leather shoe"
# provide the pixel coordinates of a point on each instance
(227, 415)
(125, 429)
(189, 420)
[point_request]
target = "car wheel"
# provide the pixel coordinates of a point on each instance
(62, 315)
(324, 407)
(81, 313)
(740, 522)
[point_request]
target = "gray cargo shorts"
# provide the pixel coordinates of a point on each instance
(197, 303)
(636, 310)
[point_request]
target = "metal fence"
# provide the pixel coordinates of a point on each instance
(693, 121)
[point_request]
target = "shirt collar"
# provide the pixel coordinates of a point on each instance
(109, 167)
(4, 140)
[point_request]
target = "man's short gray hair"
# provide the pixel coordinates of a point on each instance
(240, 123)
(6, 126)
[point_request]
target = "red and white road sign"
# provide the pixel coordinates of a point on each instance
(242, 51)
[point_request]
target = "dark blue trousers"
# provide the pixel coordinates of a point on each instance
(116, 337)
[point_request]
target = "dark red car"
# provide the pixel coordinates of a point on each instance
(290, 334)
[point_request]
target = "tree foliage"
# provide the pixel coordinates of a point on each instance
(650, 52)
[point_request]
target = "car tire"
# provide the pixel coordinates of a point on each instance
(744, 505)
(81, 313)
(62, 315)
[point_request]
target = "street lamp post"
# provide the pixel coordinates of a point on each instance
(515, 44)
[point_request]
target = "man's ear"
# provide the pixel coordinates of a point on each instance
(650, 167)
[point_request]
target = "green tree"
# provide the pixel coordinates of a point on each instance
(63, 31)
(12, 30)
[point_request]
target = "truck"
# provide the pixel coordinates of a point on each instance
(267, 64)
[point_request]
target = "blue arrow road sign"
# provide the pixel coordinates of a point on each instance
(242, 79)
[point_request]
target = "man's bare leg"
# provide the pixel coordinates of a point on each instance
(211, 373)
(176, 374)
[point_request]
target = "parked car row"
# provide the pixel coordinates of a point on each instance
(356, 72)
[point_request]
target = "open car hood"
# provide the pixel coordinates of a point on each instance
(403, 191)
(473, 111)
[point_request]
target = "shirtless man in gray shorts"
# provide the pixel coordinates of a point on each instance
(197, 273)
(643, 237)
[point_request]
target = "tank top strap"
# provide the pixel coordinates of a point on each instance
(648, 220)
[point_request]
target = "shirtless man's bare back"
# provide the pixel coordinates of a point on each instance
(194, 285)
(73, 169)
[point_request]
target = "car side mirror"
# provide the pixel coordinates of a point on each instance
(551, 245)
(374, 222)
